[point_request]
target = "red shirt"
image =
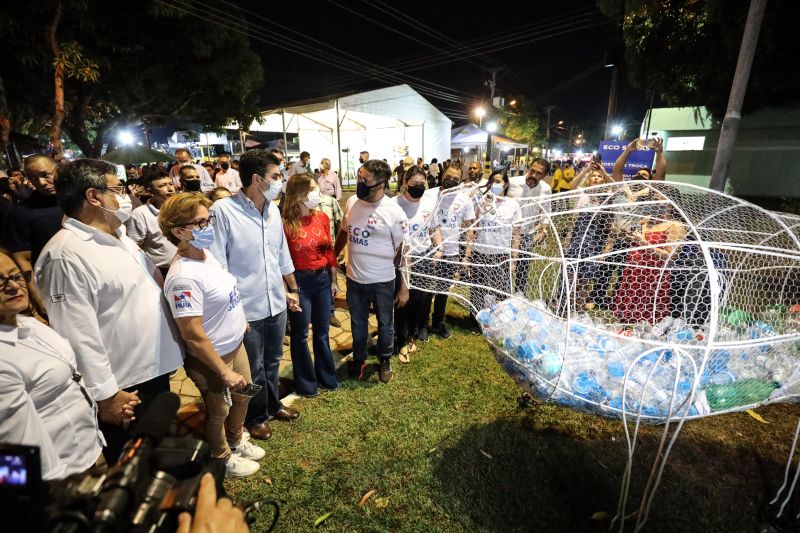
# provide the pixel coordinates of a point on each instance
(311, 248)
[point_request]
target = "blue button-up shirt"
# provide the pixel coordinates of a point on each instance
(252, 246)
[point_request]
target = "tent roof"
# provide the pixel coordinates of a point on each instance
(472, 134)
(400, 102)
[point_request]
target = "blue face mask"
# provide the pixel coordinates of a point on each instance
(497, 189)
(203, 238)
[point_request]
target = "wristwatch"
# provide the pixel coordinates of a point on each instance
(293, 291)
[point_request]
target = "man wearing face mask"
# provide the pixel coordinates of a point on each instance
(374, 229)
(94, 281)
(184, 158)
(363, 157)
(249, 242)
(455, 212)
(189, 179)
(227, 177)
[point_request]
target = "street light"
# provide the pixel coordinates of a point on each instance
(616, 130)
(125, 137)
(480, 113)
(492, 126)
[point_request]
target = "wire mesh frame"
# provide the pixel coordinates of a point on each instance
(696, 236)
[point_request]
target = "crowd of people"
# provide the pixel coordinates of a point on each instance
(108, 286)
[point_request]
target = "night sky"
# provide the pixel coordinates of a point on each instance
(557, 69)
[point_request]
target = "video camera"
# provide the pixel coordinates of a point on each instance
(155, 479)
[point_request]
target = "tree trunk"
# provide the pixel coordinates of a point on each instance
(5, 123)
(58, 78)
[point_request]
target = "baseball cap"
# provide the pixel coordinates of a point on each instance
(408, 162)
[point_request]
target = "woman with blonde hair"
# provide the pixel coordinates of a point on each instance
(206, 304)
(328, 180)
(309, 238)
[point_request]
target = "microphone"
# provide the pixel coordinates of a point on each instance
(129, 475)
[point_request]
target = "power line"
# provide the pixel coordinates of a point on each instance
(315, 55)
(413, 64)
(357, 60)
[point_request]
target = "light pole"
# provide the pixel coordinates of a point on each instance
(480, 113)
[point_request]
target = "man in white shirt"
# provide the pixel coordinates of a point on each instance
(301, 166)
(533, 228)
(143, 226)
(249, 242)
(103, 295)
(374, 229)
(227, 177)
(184, 158)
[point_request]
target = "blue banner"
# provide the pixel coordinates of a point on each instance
(609, 151)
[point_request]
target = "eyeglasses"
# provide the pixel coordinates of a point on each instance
(116, 189)
(20, 278)
(202, 224)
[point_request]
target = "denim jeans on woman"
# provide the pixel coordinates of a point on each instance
(315, 302)
(264, 346)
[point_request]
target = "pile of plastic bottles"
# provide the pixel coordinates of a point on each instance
(583, 363)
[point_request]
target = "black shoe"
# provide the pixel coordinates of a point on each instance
(422, 334)
(357, 370)
(441, 330)
(386, 373)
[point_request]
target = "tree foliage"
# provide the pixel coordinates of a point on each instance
(521, 121)
(126, 62)
(686, 50)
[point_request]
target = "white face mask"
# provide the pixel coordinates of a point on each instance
(273, 191)
(497, 189)
(313, 199)
(125, 208)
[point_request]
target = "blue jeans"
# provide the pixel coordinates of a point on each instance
(264, 346)
(359, 298)
(315, 302)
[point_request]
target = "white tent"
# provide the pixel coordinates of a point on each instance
(389, 123)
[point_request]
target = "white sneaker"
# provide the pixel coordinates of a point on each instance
(248, 450)
(238, 466)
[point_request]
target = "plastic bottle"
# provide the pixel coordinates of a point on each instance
(663, 326)
(739, 393)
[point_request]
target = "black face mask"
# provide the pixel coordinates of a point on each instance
(363, 190)
(448, 183)
(192, 185)
(416, 191)
(225, 166)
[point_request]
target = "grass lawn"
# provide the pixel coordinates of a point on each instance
(447, 448)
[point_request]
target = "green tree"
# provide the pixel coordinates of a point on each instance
(153, 64)
(520, 121)
(686, 50)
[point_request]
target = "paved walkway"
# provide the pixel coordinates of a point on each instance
(191, 413)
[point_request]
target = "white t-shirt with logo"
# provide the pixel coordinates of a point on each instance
(455, 208)
(374, 233)
(203, 288)
(498, 217)
(530, 208)
(421, 221)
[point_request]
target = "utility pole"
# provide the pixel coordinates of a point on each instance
(492, 86)
(547, 150)
(612, 99)
(733, 115)
(570, 138)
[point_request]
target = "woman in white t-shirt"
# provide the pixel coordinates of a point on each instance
(207, 307)
(497, 237)
(411, 320)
